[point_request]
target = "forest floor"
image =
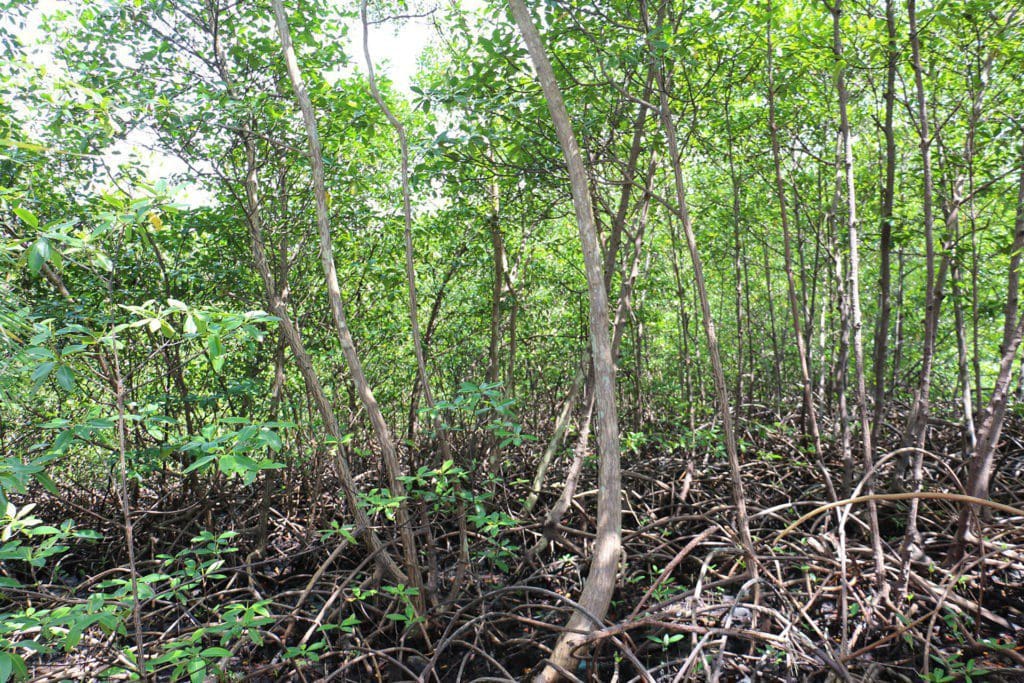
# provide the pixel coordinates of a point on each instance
(304, 604)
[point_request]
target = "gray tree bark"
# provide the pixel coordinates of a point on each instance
(600, 582)
(337, 305)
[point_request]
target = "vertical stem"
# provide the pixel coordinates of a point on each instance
(886, 219)
(337, 305)
(794, 303)
(600, 582)
(718, 373)
(776, 355)
(737, 261)
(129, 525)
(854, 274)
(918, 419)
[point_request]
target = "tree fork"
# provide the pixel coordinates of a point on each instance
(380, 427)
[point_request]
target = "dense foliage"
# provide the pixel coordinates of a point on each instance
(206, 472)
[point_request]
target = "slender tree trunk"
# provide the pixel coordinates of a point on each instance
(918, 418)
(980, 469)
(963, 362)
(897, 351)
(277, 387)
(498, 288)
(600, 582)
(513, 344)
(917, 422)
(975, 340)
(737, 259)
(440, 434)
(776, 392)
(628, 284)
(885, 242)
(554, 517)
(561, 424)
(1013, 280)
(841, 362)
(435, 310)
(718, 373)
(410, 263)
(682, 323)
(304, 363)
(380, 427)
(751, 365)
(867, 458)
(618, 325)
(628, 177)
(953, 206)
(794, 303)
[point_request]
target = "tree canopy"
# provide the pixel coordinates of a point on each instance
(527, 368)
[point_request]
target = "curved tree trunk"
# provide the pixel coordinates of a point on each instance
(991, 422)
(380, 427)
(600, 582)
(440, 434)
(304, 362)
(717, 371)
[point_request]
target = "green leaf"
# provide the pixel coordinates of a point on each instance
(89, 534)
(42, 371)
(28, 146)
(47, 483)
(38, 254)
(6, 666)
(271, 465)
(200, 463)
(272, 439)
(216, 349)
(27, 216)
(218, 652)
(103, 261)
(65, 378)
(20, 669)
(233, 462)
(197, 670)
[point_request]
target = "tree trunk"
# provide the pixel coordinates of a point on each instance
(737, 262)
(885, 242)
(858, 343)
(561, 424)
(380, 427)
(718, 374)
(917, 422)
(918, 418)
(304, 362)
(897, 351)
(776, 392)
(410, 263)
(600, 582)
(498, 286)
(794, 303)
(980, 470)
